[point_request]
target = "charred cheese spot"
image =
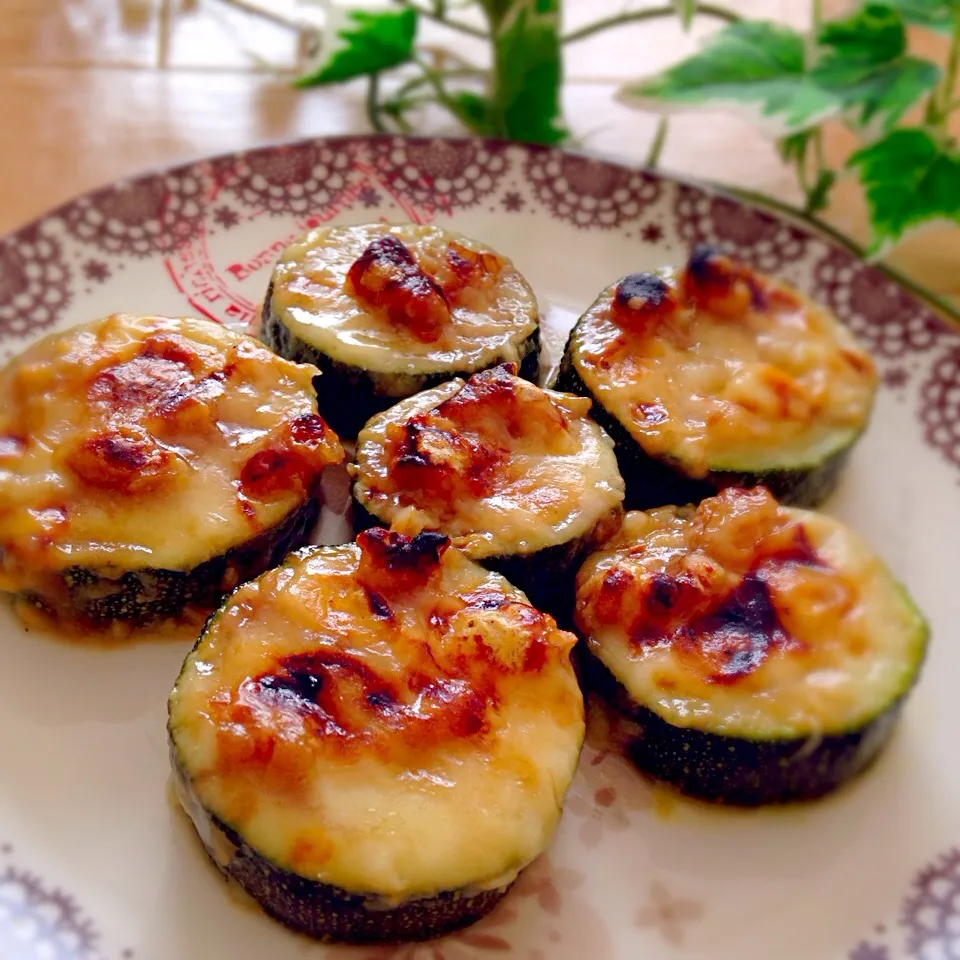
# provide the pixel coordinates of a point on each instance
(490, 460)
(746, 618)
(394, 562)
(125, 461)
(387, 275)
(719, 368)
(714, 282)
(641, 299)
(402, 299)
(348, 731)
(173, 440)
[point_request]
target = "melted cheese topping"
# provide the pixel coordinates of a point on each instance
(752, 378)
(496, 463)
(743, 617)
(392, 726)
(149, 442)
(490, 309)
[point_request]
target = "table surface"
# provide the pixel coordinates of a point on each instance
(96, 90)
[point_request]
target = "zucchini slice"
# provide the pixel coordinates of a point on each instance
(764, 650)
(386, 311)
(149, 465)
(518, 477)
(716, 376)
(376, 738)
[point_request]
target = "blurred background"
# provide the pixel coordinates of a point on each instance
(95, 90)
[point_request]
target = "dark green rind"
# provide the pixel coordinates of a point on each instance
(323, 911)
(96, 598)
(348, 396)
(546, 576)
(653, 482)
(738, 771)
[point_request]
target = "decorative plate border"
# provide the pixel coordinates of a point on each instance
(169, 215)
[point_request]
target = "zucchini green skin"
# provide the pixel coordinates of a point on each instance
(95, 597)
(740, 771)
(655, 482)
(546, 576)
(320, 910)
(348, 396)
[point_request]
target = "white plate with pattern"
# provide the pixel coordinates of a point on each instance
(95, 862)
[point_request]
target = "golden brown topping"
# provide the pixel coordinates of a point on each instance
(125, 460)
(392, 562)
(713, 601)
(500, 406)
(641, 299)
(717, 283)
(386, 275)
(718, 365)
(382, 681)
(305, 445)
(136, 420)
(332, 700)
(455, 449)
(497, 630)
(468, 269)
(140, 384)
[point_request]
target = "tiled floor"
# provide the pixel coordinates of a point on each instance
(94, 90)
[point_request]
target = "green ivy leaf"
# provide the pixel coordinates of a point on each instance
(686, 10)
(865, 65)
(473, 111)
(363, 43)
(873, 34)
(910, 179)
(528, 73)
(936, 15)
(752, 63)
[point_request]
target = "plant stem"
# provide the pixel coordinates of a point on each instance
(415, 83)
(803, 177)
(373, 103)
(435, 79)
(940, 104)
(659, 138)
(264, 12)
(818, 153)
(652, 13)
(438, 16)
(817, 15)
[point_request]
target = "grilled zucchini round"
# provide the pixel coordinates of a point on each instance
(375, 738)
(520, 478)
(764, 650)
(386, 311)
(150, 464)
(717, 376)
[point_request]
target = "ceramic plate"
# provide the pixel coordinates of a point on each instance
(95, 861)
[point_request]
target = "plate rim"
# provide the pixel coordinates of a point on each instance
(773, 208)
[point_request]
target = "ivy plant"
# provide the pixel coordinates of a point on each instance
(856, 70)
